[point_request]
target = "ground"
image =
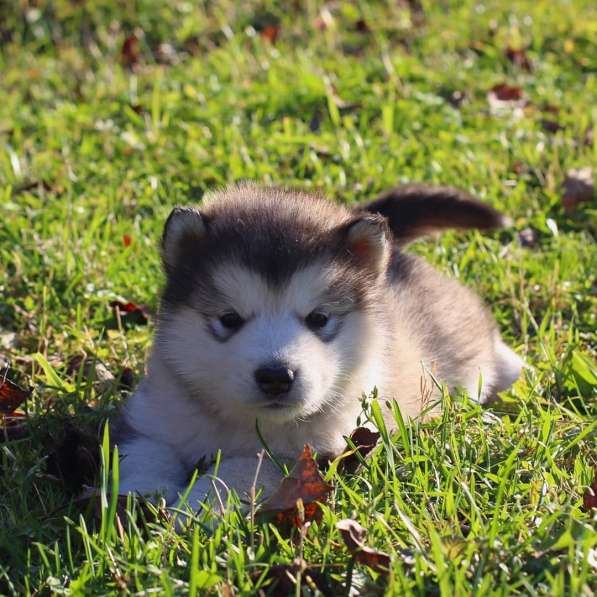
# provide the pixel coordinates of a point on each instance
(111, 113)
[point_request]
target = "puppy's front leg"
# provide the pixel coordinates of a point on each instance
(235, 473)
(149, 467)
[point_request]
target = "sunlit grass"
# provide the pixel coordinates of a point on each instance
(351, 98)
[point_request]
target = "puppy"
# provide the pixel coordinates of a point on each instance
(283, 309)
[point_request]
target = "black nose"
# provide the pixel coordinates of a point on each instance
(274, 380)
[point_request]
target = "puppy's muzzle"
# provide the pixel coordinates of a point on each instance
(274, 380)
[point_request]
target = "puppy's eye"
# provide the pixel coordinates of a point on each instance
(231, 321)
(317, 320)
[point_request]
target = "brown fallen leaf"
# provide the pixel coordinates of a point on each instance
(130, 313)
(506, 93)
(270, 32)
(11, 395)
(589, 499)
(506, 98)
(129, 53)
(353, 535)
(577, 188)
(304, 482)
(361, 26)
(518, 57)
(365, 440)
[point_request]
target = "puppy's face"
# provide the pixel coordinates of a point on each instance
(268, 313)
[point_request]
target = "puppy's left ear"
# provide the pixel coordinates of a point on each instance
(184, 228)
(367, 240)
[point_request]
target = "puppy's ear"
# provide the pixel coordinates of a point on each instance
(415, 210)
(367, 241)
(184, 227)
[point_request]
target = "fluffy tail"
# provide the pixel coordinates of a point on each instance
(415, 210)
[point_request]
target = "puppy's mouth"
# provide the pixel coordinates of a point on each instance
(276, 405)
(279, 404)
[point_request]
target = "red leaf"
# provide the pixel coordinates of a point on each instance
(506, 98)
(131, 312)
(506, 93)
(127, 240)
(589, 499)
(129, 54)
(518, 57)
(11, 396)
(577, 188)
(305, 483)
(270, 32)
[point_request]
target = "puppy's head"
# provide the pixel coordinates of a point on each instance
(272, 301)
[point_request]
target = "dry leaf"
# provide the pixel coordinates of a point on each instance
(365, 440)
(130, 313)
(353, 535)
(361, 26)
(270, 32)
(11, 395)
(506, 93)
(518, 57)
(577, 188)
(506, 98)
(129, 53)
(305, 483)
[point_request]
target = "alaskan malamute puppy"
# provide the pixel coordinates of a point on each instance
(284, 308)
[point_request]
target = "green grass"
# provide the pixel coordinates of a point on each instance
(92, 153)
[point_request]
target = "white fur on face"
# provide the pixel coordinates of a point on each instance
(222, 373)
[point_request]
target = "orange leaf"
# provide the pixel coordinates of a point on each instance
(305, 483)
(11, 396)
(270, 32)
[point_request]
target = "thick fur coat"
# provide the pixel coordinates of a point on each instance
(284, 309)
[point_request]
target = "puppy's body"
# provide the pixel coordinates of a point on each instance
(284, 309)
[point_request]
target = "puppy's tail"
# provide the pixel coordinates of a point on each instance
(415, 210)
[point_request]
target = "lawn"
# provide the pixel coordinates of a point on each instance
(112, 112)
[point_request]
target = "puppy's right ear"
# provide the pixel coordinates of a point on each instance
(184, 227)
